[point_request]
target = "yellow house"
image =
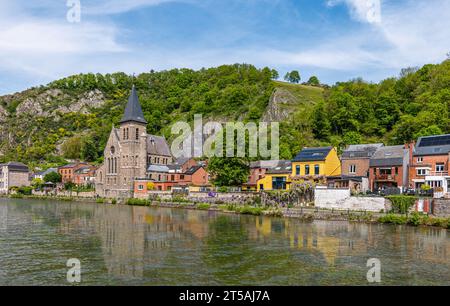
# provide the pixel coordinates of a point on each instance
(316, 163)
(277, 177)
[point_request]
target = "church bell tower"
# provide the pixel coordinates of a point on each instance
(133, 142)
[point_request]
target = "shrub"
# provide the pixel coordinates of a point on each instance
(25, 190)
(179, 199)
(138, 202)
(114, 201)
(100, 200)
(393, 219)
(203, 206)
(248, 210)
(414, 219)
(401, 203)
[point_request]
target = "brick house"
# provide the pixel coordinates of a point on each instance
(355, 159)
(388, 168)
(258, 170)
(429, 163)
(68, 171)
(13, 174)
(84, 175)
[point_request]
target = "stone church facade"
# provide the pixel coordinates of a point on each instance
(129, 153)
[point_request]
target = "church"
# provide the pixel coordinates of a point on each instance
(130, 153)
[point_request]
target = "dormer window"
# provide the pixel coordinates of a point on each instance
(419, 160)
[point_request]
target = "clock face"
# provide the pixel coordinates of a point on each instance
(113, 150)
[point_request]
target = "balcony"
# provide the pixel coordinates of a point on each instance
(438, 173)
(386, 177)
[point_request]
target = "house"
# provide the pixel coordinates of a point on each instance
(429, 163)
(68, 171)
(85, 175)
(389, 168)
(130, 154)
(277, 177)
(40, 175)
(258, 170)
(316, 164)
(355, 159)
(13, 174)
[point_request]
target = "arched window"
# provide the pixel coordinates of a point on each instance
(101, 177)
(124, 135)
(137, 134)
(115, 164)
(128, 135)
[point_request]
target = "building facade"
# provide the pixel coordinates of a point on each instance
(429, 164)
(129, 153)
(67, 172)
(316, 164)
(389, 168)
(13, 174)
(355, 159)
(277, 177)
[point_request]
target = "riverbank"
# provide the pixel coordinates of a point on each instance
(303, 213)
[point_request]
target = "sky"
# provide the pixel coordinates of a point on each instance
(336, 40)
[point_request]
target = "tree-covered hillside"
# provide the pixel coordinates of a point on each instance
(72, 117)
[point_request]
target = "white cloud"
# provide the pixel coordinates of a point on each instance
(362, 10)
(120, 6)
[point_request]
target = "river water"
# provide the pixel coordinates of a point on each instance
(129, 245)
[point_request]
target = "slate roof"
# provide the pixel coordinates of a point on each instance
(282, 167)
(388, 156)
(313, 154)
(360, 150)
(16, 166)
(158, 168)
(157, 145)
(193, 169)
(265, 164)
(432, 145)
(133, 111)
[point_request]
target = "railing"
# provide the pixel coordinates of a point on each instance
(385, 177)
(438, 173)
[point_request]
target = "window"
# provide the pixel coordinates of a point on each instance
(307, 170)
(137, 134)
(297, 170)
(124, 134)
(279, 183)
(127, 134)
(421, 172)
(141, 187)
(419, 160)
(440, 167)
(316, 169)
(181, 177)
(352, 169)
(396, 170)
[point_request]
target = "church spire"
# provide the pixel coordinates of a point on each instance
(133, 111)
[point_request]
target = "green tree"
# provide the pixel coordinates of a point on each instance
(53, 177)
(313, 81)
(228, 171)
(72, 147)
(275, 74)
(292, 77)
(88, 149)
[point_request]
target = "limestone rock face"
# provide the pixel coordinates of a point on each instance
(3, 114)
(85, 102)
(278, 108)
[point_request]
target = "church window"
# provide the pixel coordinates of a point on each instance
(128, 134)
(124, 135)
(137, 134)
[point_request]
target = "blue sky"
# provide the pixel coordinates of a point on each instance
(336, 40)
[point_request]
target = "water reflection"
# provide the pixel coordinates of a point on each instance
(152, 246)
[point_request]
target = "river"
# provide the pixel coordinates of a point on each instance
(130, 245)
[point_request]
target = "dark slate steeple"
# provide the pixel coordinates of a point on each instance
(133, 111)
